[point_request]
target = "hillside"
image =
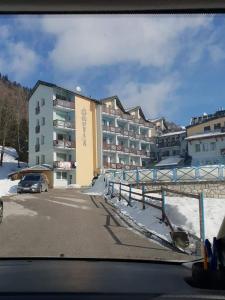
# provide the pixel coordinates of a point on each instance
(13, 117)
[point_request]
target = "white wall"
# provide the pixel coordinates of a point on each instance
(207, 157)
(46, 130)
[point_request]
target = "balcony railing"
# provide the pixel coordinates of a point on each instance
(37, 147)
(37, 128)
(169, 144)
(120, 166)
(64, 144)
(109, 128)
(37, 110)
(109, 147)
(63, 124)
(64, 103)
(64, 165)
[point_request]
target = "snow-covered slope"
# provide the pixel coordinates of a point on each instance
(9, 165)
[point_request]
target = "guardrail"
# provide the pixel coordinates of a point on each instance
(187, 174)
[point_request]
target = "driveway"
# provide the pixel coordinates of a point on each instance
(65, 222)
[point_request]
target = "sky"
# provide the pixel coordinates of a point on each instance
(173, 66)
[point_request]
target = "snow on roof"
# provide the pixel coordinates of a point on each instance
(169, 161)
(173, 133)
(205, 135)
(10, 151)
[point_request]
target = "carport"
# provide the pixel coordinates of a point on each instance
(43, 169)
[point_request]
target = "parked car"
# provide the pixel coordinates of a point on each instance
(33, 182)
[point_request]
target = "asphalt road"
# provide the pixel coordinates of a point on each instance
(72, 224)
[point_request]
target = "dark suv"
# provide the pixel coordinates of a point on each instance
(33, 182)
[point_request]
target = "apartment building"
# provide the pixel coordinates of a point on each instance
(64, 133)
(79, 136)
(206, 139)
(127, 136)
(172, 144)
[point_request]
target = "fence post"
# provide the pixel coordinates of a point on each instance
(197, 173)
(220, 171)
(137, 176)
(154, 175)
(112, 191)
(202, 216)
(175, 174)
(143, 196)
(120, 191)
(129, 193)
(124, 175)
(163, 204)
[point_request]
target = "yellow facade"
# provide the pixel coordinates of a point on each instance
(200, 127)
(86, 140)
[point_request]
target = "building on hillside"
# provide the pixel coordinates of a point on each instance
(206, 139)
(79, 136)
(171, 144)
(64, 132)
(128, 137)
(159, 127)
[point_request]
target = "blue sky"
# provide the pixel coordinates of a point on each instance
(173, 66)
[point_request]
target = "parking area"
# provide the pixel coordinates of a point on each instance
(66, 222)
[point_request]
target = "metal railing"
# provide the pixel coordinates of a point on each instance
(186, 174)
(169, 144)
(64, 103)
(63, 124)
(120, 166)
(64, 144)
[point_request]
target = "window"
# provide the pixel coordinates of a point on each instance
(64, 175)
(197, 148)
(42, 101)
(43, 159)
(37, 160)
(206, 128)
(37, 141)
(58, 175)
(205, 147)
(213, 146)
(217, 126)
(43, 121)
(42, 139)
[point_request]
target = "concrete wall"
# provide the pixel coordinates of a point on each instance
(211, 189)
(45, 130)
(86, 140)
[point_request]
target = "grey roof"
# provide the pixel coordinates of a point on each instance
(40, 82)
(169, 161)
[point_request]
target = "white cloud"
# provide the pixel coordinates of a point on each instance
(155, 98)
(86, 41)
(18, 59)
(4, 31)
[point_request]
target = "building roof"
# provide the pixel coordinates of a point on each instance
(118, 102)
(172, 133)
(40, 82)
(206, 118)
(207, 135)
(170, 161)
(37, 168)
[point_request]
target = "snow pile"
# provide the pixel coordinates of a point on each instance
(98, 188)
(182, 212)
(9, 165)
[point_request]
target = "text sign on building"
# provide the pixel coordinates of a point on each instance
(84, 125)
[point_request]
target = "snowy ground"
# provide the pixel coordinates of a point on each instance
(182, 212)
(7, 186)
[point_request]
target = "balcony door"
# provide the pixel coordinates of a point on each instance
(61, 156)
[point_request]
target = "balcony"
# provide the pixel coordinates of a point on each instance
(109, 147)
(37, 147)
(64, 144)
(169, 144)
(37, 110)
(63, 124)
(63, 104)
(64, 165)
(37, 128)
(120, 166)
(109, 128)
